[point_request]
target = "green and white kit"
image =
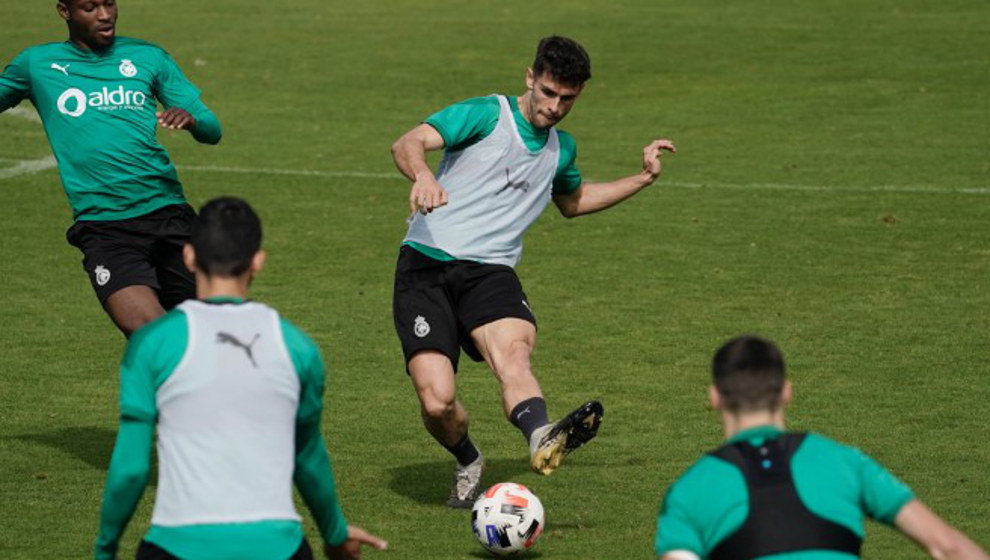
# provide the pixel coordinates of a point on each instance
(839, 484)
(236, 394)
(499, 172)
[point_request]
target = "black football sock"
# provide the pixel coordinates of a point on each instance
(464, 451)
(529, 415)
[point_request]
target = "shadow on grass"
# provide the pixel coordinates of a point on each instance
(489, 555)
(429, 483)
(90, 444)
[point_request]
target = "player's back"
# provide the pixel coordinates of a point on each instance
(226, 421)
(824, 487)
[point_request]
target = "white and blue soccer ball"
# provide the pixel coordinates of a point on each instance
(507, 518)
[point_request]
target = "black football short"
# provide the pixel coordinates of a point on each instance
(149, 551)
(436, 304)
(141, 251)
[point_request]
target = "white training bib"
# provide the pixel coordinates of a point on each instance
(496, 188)
(226, 420)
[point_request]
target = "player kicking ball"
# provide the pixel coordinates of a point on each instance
(236, 393)
(455, 283)
(96, 95)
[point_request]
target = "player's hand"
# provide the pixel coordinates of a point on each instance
(651, 157)
(351, 548)
(426, 195)
(175, 119)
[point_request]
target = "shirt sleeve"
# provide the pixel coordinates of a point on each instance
(883, 494)
(126, 481)
(567, 179)
(15, 82)
(152, 354)
(675, 529)
(173, 89)
(313, 471)
(467, 122)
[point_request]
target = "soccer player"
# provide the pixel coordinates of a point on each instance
(236, 392)
(96, 94)
(455, 284)
(772, 493)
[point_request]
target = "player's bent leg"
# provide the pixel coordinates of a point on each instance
(132, 307)
(432, 375)
(506, 345)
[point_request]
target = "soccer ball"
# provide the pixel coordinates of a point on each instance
(507, 518)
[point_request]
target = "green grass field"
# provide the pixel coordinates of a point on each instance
(830, 191)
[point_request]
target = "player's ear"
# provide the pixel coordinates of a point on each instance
(714, 398)
(63, 10)
(189, 257)
(786, 394)
(258, 262)
(530, 79)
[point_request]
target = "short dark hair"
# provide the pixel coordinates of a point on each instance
(563, 59)
(226, 235)
(748, 372)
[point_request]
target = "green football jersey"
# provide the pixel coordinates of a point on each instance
(98, 110)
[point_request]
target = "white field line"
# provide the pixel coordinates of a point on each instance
(26, 167)
(925, 189)
(294, 172)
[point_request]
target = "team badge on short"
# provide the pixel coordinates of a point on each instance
(103, 275)
(127, 68)
(421, 327)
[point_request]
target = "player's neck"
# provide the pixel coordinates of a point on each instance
(208, 287)
(82, 45)
(735, 423)
(523, 103)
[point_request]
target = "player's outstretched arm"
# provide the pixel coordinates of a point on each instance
(15, 82)
(126, 480)
(183, 109)
(409, 155)
(941, 540)
(594, 197)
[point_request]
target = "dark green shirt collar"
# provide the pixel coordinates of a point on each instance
(526, 129)
(758, 432)
(224, 299)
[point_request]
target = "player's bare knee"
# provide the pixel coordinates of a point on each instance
(438, 409)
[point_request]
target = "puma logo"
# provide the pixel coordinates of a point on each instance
(227, 338)
(62, 69)
(509, 184)
(521, 412)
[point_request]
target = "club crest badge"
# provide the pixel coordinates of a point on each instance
(127, 68)
(103, 276)
(421, 327)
